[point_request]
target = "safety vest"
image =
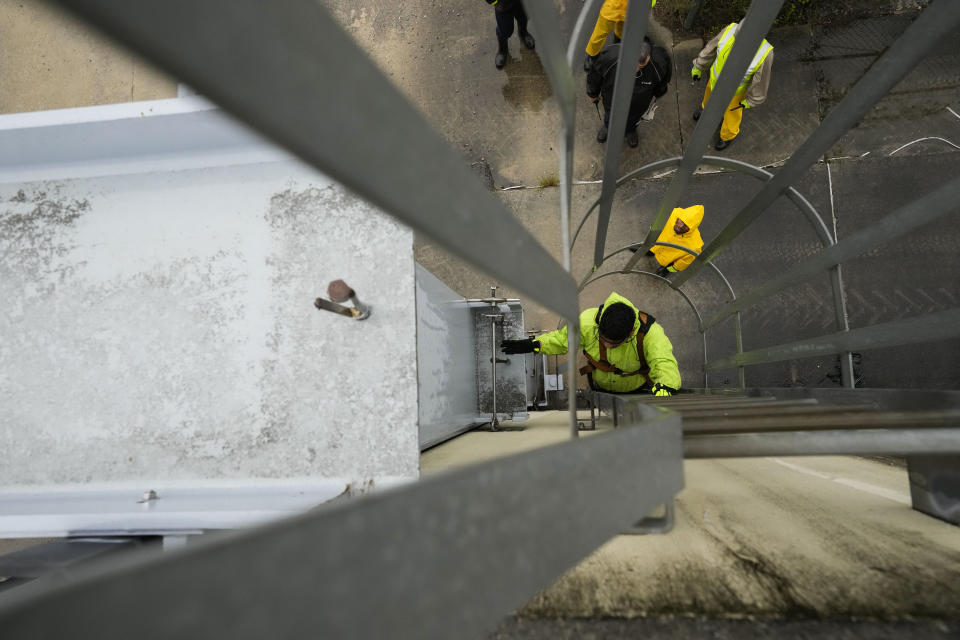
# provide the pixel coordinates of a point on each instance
(723, 50)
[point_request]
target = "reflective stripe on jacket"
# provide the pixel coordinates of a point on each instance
(657, 351)
(724, 47)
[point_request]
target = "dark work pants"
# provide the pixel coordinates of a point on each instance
(630, 125)
(505, 22)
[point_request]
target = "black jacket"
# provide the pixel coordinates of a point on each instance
(507, 6)
(651, 81)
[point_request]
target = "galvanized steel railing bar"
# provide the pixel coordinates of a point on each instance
(560, 73)
(824, 443)
(634, 29)
(939, 19)
(447, 556)
(922, 211)
(929, 328)
(753, 29)
(847, 377)
(840, 418)
(243, 54)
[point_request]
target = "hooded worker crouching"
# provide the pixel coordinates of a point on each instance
(683, 228)
(627, 350)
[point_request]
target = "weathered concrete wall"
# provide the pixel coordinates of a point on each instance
(161, 325)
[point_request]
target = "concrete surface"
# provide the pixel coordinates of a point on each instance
(769, 538)
(53, 61)
(161, 328)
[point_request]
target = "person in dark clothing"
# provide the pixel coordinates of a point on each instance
(507, 11)
(654, 70)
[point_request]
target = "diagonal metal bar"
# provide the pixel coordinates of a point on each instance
(929, 328)
(445, 557)
(753, 29)
(288, 70)
(922, 211)
(634, 29)
(938, 20)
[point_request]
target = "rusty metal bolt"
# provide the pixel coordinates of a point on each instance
(339, 291)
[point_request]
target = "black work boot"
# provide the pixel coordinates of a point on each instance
(501, 57)
(632, 139)
(527, 40)
(723, 144)
(602, 134)
(697, 113)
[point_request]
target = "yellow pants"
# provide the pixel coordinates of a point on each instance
(731, 117)
(600, 34)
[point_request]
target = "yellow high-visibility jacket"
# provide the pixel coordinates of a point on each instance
(677, 258)
(756, 82)
(654, 361)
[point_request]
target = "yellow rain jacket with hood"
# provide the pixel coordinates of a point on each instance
(677, 259)
(613, 13)
(646, 356)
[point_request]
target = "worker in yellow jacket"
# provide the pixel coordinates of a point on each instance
(613, 14)
(752, 91)
(627, 350)
(683, 229)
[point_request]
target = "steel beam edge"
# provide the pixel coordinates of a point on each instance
(753, 29)
(243, 54)
(821, 443)
(936, 21)
(447, 556)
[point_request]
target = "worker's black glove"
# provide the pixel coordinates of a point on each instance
(527, 345)
(662, 390)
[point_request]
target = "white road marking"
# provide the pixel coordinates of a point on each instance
(866, 487)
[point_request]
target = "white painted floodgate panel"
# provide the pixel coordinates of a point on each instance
(159, 266)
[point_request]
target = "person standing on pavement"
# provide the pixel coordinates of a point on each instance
(683, 229)
(627, 350)
(652, 80)
(506, 12)
(613, 13)
(752, 90)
